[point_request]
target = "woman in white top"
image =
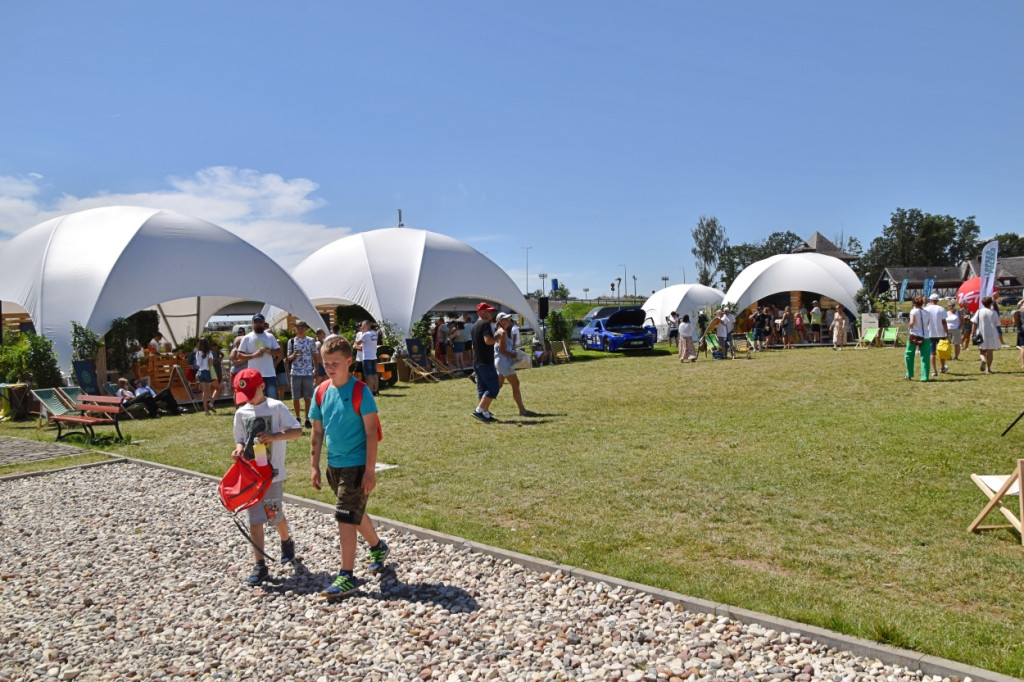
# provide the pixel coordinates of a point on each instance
(205, 372)
(838, 327)
(986, 321)
(505, 357)
(686, 349)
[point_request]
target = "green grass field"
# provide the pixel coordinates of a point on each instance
(810, 484)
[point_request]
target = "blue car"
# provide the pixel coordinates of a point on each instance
(622, 330)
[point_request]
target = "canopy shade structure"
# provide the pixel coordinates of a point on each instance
(795, 272)
(399, 274)
(98, 265)
(685, 299)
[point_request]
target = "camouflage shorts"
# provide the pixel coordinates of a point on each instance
(347, 484)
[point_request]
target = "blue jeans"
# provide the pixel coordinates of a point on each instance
(270, 384)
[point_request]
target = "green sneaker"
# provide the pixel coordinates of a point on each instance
(377, 556)
(342, 586)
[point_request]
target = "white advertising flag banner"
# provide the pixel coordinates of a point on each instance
(988, 268)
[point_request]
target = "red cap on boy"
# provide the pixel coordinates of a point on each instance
(247, 382)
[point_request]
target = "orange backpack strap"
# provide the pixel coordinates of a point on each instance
(357, 400)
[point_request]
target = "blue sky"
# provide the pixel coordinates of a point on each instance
(594, 132)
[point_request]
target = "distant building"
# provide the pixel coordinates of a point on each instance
(818, 243)
(947, 281)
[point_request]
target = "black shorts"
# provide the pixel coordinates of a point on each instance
(673, 333)
(347, 484)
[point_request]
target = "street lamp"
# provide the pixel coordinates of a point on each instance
(664, 281)
(527, 249)
(543, 276)
(585, 292)
(624, 278)
(619, 280)
(634, 286)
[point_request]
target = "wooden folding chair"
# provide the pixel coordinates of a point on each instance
(869, 338)
(441, 369)
(562, 354)
(995, 489)
(417, 373)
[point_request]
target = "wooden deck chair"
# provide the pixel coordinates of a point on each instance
(995, 489)
(50, 403)
(869, 338)
(711, 344)
(741, 344)
(180, 387)
(890, 335)
(440, 369)
(417, 373)
(562, 353)
(70, 395)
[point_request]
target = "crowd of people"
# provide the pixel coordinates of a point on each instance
(938, 334)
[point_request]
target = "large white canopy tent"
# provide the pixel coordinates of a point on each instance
(98, 265)
(685, 299)
(795, 272)
(399, 274)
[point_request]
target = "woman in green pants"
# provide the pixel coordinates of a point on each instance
(918, 328)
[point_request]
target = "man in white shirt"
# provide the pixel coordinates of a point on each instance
(261, 349)
(935, 319)
(366, 343)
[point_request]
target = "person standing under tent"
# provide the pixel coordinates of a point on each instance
(260, 349)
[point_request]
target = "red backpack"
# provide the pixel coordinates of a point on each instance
(357, 401)
(244, 484)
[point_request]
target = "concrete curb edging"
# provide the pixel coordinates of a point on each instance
(904, 658)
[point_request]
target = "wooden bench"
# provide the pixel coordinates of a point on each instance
(89, 406)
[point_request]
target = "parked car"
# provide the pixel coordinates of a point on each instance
(577, 330)
(625, 329)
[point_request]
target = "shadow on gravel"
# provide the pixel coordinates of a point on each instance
(387, 588)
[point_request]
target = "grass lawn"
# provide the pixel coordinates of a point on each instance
(811, 484)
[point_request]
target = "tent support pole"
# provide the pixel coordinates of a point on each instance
(170, 330)
(198, 299)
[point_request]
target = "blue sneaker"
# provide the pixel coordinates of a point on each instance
(258, 575)
(342, 586)
(377, 556)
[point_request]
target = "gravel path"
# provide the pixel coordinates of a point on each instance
(122, 572)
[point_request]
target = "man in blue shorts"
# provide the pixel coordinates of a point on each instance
(487, 384)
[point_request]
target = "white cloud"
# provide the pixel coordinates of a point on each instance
(265, 209)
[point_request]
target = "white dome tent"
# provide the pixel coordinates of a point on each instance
(98, 265)
(795, 272)
(398, 274)
(685, 299)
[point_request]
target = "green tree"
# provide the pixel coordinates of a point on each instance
(1011, 245)
(914, 238)
(740, 256)
(709, 244)
(559, 328)
(561, 292)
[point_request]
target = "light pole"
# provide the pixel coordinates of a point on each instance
(664, 281)
(619, 280)
(634, 286)
(624, 278)
(585, 292)
(543, 276)
(684, 273)
(527, 249)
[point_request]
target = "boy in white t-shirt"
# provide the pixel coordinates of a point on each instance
(262, 421)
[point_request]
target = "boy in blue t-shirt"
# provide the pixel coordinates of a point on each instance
(351, 461)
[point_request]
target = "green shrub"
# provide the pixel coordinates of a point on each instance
(29, 358)
(559, 328)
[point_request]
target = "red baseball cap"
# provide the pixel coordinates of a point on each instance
(483, 305)
(247, 382)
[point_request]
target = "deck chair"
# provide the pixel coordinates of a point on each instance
(417, 373)
(869, 338)
(70, 395)
(440, 369)
(712, 345)
(562, 353)
(995, 489)
(50, 403)
(890, 335)
(741, 344)
(111, 388)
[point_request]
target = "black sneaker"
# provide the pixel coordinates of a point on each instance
(258, 575)
(377, 556)
(308, 424)
(287, 550)
(479, 415)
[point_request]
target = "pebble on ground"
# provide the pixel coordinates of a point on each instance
(126, 572)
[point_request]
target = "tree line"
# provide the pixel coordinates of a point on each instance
(912, 238)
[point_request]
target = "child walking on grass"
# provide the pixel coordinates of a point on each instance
(262, 421)
(351, 427)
